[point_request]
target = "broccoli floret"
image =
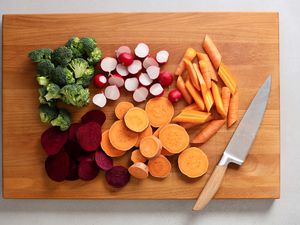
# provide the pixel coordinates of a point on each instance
(88, 44)
(53, 92)
(62, 76)
(94, 56)
(42, 80)
(63, 120)
(75, 95)
(45, 68)
(78, 66)
(47, 113)
(62, 56)
(40, 54)
(42, 99)
(73, 42)
(76, 47)
(85, 80)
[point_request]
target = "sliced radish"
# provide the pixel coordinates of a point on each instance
(149, 61)
(112, 92)
(135, 67)
(100, 80)
(140, 94)
(162, 56)
(108, 64)
(156, 89)
(122, 70)
(165, 78)
(116, 79)
(100, 100)
(131, 84)
(144, 79)
(141, 50)
(123, 49)
(126, 58)
(153, 72)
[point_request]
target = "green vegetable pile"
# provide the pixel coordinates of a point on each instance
(64, 74)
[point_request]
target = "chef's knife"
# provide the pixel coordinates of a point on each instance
(239, 145)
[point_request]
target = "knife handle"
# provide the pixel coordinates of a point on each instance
(211, 187)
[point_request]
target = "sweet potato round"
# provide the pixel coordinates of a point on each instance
(122, 108)
(108, 148)
(136, 119)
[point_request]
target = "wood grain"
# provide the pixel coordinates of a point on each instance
(248, 43)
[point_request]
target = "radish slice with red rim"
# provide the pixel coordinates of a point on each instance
(141, 50)
(116, 79)
(135, 67)
(156, 89)
(123, 49)
(149, 61)
(162, 56)
(144, 79)
(100, 100)
(122, 70)
(131, 84)
(112, 92)
(108, 64)
(140, 94)
(153, 72)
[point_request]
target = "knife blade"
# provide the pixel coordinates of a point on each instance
(239, 144)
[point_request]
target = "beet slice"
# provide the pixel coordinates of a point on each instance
(87, 157)
(53, 139)
(89, 136)
(57, 166)
(73, 149)
(94, 116)
(117, 177)
(87, 170)
(73, 130)
(73, 170)
(103, 161)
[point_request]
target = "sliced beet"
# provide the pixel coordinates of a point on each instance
(89, 136)
(73, 149)
(117, 177)
(73, 170)
(53, 139)
(72, 131)
(103, 161)
(88, 170)
(86, 157)
(57, 166)
(94, 116)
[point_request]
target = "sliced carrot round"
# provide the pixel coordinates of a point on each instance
(136, 156)
(121, 137)
(193, 162)
(174, 138)
(147, 132)
(136, 119)
(159, 167)
(150, 147)
(108, 148)
(122, 108)
(160, 111)
(139, 170)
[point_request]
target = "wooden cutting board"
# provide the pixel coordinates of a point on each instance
(249, 45)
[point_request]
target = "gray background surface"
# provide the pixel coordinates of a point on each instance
(284, 211)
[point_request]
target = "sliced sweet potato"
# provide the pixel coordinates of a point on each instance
(160, 111)
(136, 156)
(174, 138)
(89, 136)
(156, 133)
(159, 167)
(165, 152)
(103, 161)
(58, 166)
(193, 162)
(53, 139)
(147, 132)
(108, 148)
(122, 108)
(117, 177)
(136, 119)
(139, 170)
(94, 116)
(150, 147)
(121, 137)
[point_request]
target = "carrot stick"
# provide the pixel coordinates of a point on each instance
(210, 67)
(225, 98)
(205, 73)
(189, 54)
(195, 94)
(188, 125)
(218, 99)
(207, 97)
(192, 74)
(181, 86)
(212, 51)
(207, 132)
(233, 115)
(193, 106)
(227, 78)
(193, 116)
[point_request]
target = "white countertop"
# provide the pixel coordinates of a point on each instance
(242, 212)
